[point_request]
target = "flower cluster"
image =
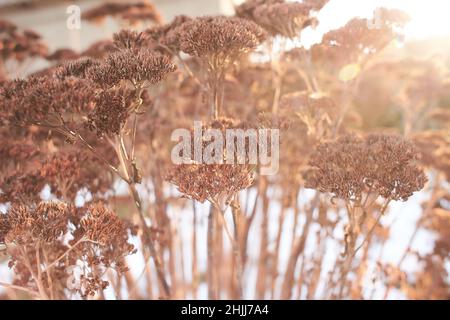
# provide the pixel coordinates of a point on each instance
(357, 40)
(45, 99)
(382, 164)
(19, 45)
(214, 182)
(139, 67)
(112, 108)
(131, 12)
(78, 68)
(66, 173)
(220, 38)
(36, 236)
(287, 19)
(169, 35)
(127, 39)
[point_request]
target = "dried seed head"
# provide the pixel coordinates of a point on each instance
(220, 37)
(286, 19)
(45, 99)
(19, 45)
(213, 182)
(128, 39)
(112, 108)
(62, 55)
(380, 163)
(169, 35)
(77, 68)
(131, 12)
(279, 17)
(356, 40)
(47, 222)
(99, 49)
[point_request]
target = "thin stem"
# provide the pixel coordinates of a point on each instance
(51, 265)
(212, 288)
(14, 287)
(146, 230)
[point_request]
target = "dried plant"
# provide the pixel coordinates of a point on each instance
(132, 12)
(88, 188)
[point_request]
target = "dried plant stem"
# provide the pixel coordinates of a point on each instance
(435, 195)
(24, 289)
(238, 267)
(212, 286)
(51, 265)
(297, 249)
(3, 73)
(195, 275)
(245, 229)
(276, 252)
(37, 280)
(377, 221)
(146, 230)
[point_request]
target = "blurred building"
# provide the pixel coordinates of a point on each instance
(48, 17)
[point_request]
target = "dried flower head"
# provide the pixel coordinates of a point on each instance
(139, 67)
(383, 164)
(36, 236)
(112, 108)
(45, 100)
(61, 55)
(213, 182)
(128, 39)
(99, 49)
(169, 35)
(104, 227)
(78, 68)
(16, 151)
(220, 38)
(131, 12)
(355, 41)
(282, 18)
(22, 188)
(69, 171)
(48, 221)
(19, 45)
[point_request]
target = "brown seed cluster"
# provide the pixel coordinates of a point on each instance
(278, 17)
(112, 108)
(95, 120)
(213, 182)
(38, 235)
(78, 68)
(168, 36)
(19, 45)
(131, 12)
(220, 38)
(44, 99)
(128, 39)
(356, 40)
(139, 67)
(383, 164)
(66, 173)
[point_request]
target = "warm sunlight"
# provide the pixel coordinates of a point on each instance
(428, 18)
